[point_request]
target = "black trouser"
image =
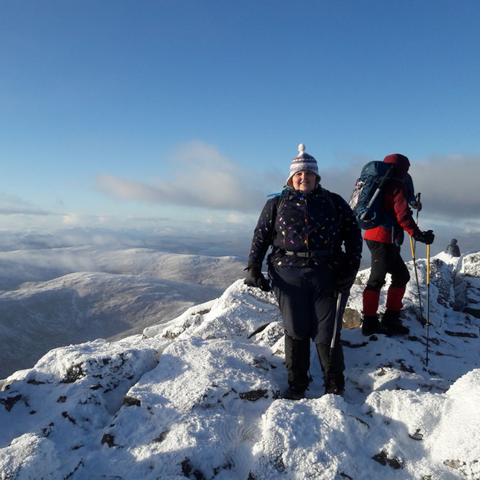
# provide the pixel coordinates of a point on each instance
(307, 301)
(386, 258)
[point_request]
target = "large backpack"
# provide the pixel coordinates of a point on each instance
(366, 198)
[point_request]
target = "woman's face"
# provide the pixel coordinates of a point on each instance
(304, 181)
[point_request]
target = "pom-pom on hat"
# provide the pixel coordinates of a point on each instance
(302, 162)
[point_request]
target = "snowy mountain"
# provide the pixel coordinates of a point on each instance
(56, 297)
(199, 397)
(19, 266)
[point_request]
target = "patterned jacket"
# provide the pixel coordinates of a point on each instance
(320, 224)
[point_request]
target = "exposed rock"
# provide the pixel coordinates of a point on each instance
(383, 459)
(131, 401)
(9, 402)
(254, 395)
(352, 318)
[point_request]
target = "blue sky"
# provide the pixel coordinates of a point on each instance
(185, 114)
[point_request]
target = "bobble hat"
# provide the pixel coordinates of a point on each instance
(303, 161)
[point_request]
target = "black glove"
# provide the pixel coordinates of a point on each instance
(425, 237)
(416, 205)
(256, 279)
(346, 277)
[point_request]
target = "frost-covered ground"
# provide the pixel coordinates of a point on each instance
(200, 398)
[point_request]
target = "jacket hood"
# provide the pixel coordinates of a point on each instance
(401, 162)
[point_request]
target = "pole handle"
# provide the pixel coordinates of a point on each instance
(428, 264)
(417, 198)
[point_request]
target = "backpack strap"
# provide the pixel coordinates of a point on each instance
(328, 194)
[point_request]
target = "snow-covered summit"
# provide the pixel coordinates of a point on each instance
(199, 397)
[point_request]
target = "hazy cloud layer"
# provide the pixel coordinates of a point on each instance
(202, 177)
(85, 220)
(205, 178)
(450, 196)
(10, 210)
(449, 185)
(13, 205)
(233, 241)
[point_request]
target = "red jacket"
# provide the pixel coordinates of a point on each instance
(395, 205)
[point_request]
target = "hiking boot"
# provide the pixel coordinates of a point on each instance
(335, 385)
(294, 393)
(391, 321)
(371, 325)
(297, 361)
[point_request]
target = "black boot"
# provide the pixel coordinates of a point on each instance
(293, 393)
(335, 385)
(297, 361)
(332, 368)
(371, 325)
(391, 321)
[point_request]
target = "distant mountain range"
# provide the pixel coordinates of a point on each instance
(61, 296)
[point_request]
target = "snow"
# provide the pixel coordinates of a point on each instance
(199, 397)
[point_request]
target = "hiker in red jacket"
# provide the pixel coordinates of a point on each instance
(384, 243)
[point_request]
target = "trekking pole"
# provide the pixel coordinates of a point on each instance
(332, 343)
(428, 300)
(412, 246)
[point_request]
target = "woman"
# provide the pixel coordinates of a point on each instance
(316, 251)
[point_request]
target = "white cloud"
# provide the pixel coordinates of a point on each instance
(82, 220)
(235, 218)
(127, 189)
(13, 205)
(202, 177)
(71, 219)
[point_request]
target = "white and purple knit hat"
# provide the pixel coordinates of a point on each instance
(302, 162)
